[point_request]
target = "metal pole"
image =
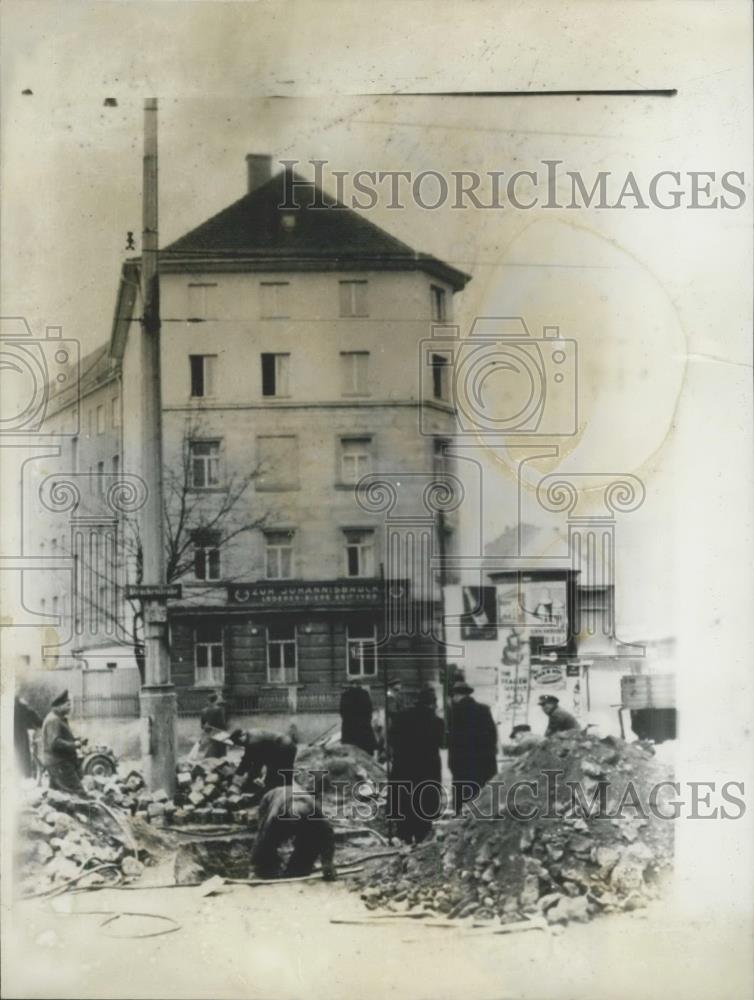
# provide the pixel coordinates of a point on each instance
(158, 701)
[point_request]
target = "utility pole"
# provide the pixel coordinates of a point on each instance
(158, 699)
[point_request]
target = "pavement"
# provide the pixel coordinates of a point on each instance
(278, 943)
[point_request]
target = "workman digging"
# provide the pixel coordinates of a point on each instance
(289, 814)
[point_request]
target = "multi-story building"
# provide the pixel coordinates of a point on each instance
(71, 523)
(292, 363)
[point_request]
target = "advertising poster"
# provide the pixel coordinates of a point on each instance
(539, 607)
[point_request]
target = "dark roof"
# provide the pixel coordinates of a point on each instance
(259, 229)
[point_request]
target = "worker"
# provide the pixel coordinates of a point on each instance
(59, 749)
(521, 739)
(356, 718)
(262, 748)
(213, 722)
(472, 744)
(291, 814)
(24, 720)
(417, 772)
(559, 721)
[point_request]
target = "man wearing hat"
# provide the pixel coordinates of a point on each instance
(472, 745)
(417, 735)
(559, 721)
(59, 753)
(356, 718)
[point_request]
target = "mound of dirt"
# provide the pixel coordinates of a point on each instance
(564, 830)
(343, 765)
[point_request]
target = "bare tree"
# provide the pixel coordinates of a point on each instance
(193, 518)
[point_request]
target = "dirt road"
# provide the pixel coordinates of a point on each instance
(278, 943)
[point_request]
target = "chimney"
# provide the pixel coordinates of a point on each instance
(258, 170)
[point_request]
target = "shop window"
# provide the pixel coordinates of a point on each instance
(359, 552)
(355, 459)
(353, 298)
(209, 659)
(279, 555)
(204, 457)
(282, 665)
(206, 555)
(361, 649)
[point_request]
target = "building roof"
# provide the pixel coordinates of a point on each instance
(95, 370)
(259, 229)
(530, 547)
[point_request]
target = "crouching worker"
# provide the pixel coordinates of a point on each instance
(262, 749)
(290, 814)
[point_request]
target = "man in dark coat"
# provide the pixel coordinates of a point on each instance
(291, 814)
(472, 746)
(59, 751)
(356, 718)
(559, 721)
(264, 749)
(24, 719)
(417, 771)
(213, 720)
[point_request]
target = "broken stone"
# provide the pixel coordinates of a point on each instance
(131, 867)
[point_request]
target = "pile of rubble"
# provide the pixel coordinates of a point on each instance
(206, 792)
(344, 766)
(62, 839)
(550, 853)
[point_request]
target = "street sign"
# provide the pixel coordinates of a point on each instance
(147, 592)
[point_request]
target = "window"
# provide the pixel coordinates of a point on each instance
(100, 419)
(209, 661)
(101, 478)
(90, 423)
(275, 369)
(353, 298)
(355, 459)
(115, 411)
(438, 300)
(206, 555)
(281, 654)
(75, 454)
(274, 299)
(359, 553)
(361, 648)
(111, 665)
(201, 300)
(116, 464)
(55, 605)
(354, 373)
(205, 464)
(279, 555)
(440, 376)
(202, 369)
(277, 458)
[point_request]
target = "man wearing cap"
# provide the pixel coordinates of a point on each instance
(472, 745)
(59, 754)
(263, 748)
(559, 721)
(417, 736)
